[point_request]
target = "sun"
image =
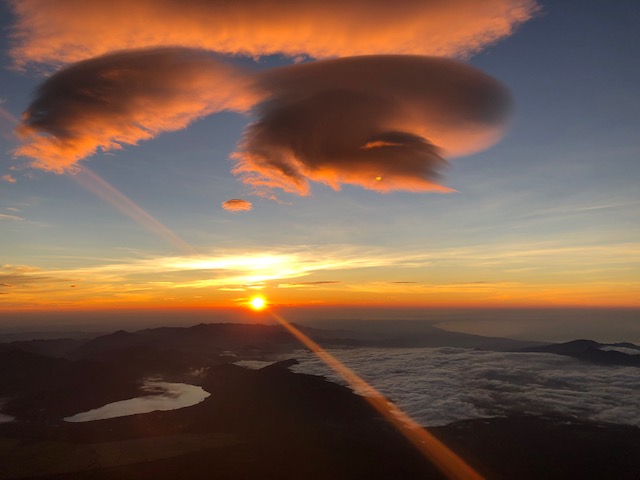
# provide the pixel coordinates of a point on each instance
(257, 303)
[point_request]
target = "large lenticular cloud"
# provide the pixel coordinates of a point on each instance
(126, 97)
(383, 122)
(71, 30)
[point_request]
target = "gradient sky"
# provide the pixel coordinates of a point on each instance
(546, 217)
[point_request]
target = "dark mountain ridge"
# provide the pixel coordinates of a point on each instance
(594, 352)
(255, 340)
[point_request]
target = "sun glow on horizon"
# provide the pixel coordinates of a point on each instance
(257, 303)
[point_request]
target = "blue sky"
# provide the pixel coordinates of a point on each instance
(547, 217)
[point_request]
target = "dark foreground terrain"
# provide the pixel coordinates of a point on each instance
(257, 424)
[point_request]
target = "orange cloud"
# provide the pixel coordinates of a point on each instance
(383, 122)
(123, 98)
(9, 178)
(68, 30)
(237, 205)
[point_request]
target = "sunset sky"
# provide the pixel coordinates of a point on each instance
(190, 155)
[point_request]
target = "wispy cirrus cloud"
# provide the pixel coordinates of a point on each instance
(142, 279)
(223, 268)
(15, 218)
(67, 31)
(319, 283)
(357, 275)
(17, 276)
(19, 268)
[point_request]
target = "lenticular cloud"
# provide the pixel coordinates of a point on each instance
(382, 122)
(123, 98)
(64, 31)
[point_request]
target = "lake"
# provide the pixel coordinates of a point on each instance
(159, 396)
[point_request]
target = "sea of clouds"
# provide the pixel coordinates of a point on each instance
(437, 386)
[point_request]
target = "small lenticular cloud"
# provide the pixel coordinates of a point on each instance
(237, 205)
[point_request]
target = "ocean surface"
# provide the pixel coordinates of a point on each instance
(437, 386)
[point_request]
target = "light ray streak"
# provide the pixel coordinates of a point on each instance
(449, 463)
(107, 192)
(10, 117)
(433, 449)
(8, 121)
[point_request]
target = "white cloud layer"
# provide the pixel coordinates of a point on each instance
(437, 386)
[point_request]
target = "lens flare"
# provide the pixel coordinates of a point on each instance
(448, 462)
(110, 194)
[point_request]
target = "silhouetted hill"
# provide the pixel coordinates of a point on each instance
(418, 333)
(527, 447)
(567, 348)
(44, 388)
(146, 360)
(274, 338)
(104, 343)
(625, 345)
(47, 335)
(57, 347)
(436, 337)
(249, 341)
(203, 339)
(24, 371)
(591, 351)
